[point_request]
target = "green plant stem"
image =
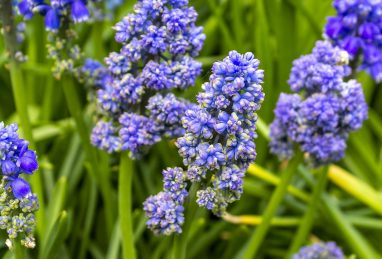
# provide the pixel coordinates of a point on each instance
(355, 240)
(181, 240)
(125, 205)
(75, 109)
(307, 220)
(260, 232)
(18, 250)
(16, 74)
(89, 219)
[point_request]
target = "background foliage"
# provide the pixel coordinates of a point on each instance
(78, 216)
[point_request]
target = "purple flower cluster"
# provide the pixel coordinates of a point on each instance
(165, 209)
(55, 12)
(17, 202)
(328, 109)
(218, 144)
(93, 73)
(319, 251)
(59, 18)
(160, 41)
(357, 28)
(15, 159)
(164, 213)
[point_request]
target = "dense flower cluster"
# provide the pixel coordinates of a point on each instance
(59, 16)
(93, 73)
(320, 251)
(165, 215)
(328, 109)
(218, 144)
(17, 203)
(160, 41)
(357, 28)
(55, 12)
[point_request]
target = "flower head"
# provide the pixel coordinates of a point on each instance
(321, 118)
(165, 215)
(159, 42)
(218, 144)
(357, 28)
(319, 251)
(17, 203)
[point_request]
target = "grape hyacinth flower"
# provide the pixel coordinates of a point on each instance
(357, 28)
(56, 12)
(159, 43)
(93, 74)
(59, 16)
(323, 110)
(17, 202)
(320, 251)
(218, 144)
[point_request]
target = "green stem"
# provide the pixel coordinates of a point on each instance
(260, 232)
(49, 93)
(125, 205)
(89, 219)
(180, 241)
(9, 31)
(74, 105)
(306, 223)
(176, 246)
(355, 240)
(18, 250)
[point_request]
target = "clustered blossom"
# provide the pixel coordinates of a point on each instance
(218, 144)
(59, 16)
(320, 251)
(55, 12)
(322, 112)
(93, 73)
(17, 202)
(159, 42)
(357, 28)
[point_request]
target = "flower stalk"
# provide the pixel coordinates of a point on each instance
(260, 232)
(306, 222)
(125, 205)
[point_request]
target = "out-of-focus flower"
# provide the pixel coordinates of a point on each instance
(319, 251)
(357, 28)
(319, 120)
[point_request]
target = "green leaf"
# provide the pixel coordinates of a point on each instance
(57, 235)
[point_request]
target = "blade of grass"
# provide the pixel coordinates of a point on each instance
(57, 235)
(355, 187)
(115, 242)
(355, 240)
(255, 241)
(307, 221)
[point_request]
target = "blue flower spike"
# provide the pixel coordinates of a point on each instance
(17, 202)
(218, 144)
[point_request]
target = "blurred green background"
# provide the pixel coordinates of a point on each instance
(80, 207)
